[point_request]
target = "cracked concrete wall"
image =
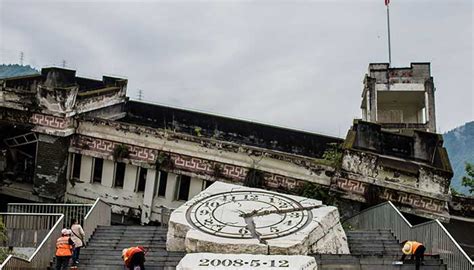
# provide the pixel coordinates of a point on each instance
(391, 172)
(127, 201)
(51, 167)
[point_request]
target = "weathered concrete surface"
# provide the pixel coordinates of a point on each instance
(254, 221)
(196, 261)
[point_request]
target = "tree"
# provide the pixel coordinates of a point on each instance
(468, 180)
(3, 237)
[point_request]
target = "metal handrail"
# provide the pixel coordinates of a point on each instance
(98, 213)
(70, 210)
(40, 259)
(432, 234)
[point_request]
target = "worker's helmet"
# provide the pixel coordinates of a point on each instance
(406, 248)
(65, 232)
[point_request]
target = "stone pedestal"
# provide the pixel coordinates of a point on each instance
(229, 218)
(196, 261)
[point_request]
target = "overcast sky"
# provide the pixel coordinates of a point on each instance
(293, 63)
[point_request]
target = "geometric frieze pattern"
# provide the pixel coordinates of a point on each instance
(413, 200)
(50, 121)
(352, 185)
(238, 173)
(183, 162)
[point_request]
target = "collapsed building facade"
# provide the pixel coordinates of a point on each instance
(67, 138)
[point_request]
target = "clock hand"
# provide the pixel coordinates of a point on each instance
(257, 213)
(251, 227)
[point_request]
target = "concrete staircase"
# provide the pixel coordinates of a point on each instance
(104, 249)
(370, 250)
(373, 250)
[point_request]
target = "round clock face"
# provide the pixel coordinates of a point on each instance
(248, 214)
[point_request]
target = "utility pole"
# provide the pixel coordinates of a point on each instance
(387, 3)
(63, 64)
(140, 94)
(22, 57)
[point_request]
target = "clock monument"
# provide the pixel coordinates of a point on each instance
(228, 218)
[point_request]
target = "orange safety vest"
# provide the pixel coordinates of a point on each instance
(129, 254)
(63, 248)
(414, 245)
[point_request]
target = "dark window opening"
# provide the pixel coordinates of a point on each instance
(207, 183)
(119, 174)
(76, 166)
(141, 179)
(97, 174)
(183, 189)
(162, 184)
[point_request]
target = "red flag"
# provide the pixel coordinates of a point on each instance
(387, 2)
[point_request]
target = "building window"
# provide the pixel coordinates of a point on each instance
(184, 183)
(141, 179)
(76, 166)
(162, 184)
(97, 170)
(206, 184)
(119, 174)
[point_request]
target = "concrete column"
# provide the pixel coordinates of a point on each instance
(86, 169)
(171, 187)
(430, 90)
(148, 195)
(51, 167)
(108, 171)
(195, 187)
(130, 180)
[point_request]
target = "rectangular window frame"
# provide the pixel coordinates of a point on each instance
(76, 158)
(179, 192)
(93, 180)
(162, 184)
(138, 184)
(115, 175)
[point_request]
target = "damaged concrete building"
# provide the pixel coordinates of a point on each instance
(67, 138)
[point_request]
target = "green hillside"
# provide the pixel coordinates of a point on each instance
(460, 145)
(15, 70)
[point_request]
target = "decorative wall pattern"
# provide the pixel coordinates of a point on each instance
(413, 200)
(238, 173)
(51, 121)
(183, 162)
(352, 185)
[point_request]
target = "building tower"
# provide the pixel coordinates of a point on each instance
(399, 99)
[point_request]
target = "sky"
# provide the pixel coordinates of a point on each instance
(298, 64)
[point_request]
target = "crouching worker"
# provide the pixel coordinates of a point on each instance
(134, 258)
(64, 246)
(414, 249)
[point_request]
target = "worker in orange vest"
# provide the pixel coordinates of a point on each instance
(134, 257)
(414, 249)
(64, 246)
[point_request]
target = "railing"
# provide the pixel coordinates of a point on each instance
(70, 211)
(432, 234)
(45, 251)
(99, 214)
(96, 214)
(25, 230)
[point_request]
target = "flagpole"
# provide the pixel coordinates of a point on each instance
(388, 27)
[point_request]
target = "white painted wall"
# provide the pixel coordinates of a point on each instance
(148, 195)
(86, 169)
(108, 173)
(130, 180)
(195, 187)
